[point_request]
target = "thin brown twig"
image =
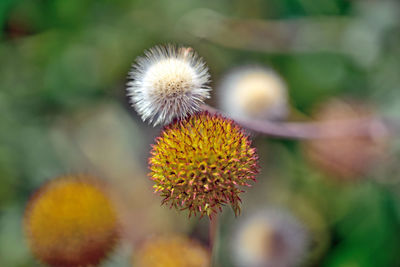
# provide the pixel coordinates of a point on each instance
(374, 127)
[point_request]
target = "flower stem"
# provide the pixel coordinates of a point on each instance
(212, 236)
(375, 127)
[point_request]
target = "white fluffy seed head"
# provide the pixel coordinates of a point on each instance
(273, 238)
(168, 82)
(253, 92)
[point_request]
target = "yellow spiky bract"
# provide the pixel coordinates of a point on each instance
(201, 162)
(171, 251)
(70, 221)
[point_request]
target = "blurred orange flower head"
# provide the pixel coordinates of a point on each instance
(70, 221)
(171, 251)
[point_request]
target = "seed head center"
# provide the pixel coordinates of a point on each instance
(171, 78)
(258, 92)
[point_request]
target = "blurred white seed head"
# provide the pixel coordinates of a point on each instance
(273, 238)
(168, 82)
(253, 92)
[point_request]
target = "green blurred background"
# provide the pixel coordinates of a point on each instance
(63, 110)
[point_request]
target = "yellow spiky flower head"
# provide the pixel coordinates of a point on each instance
(70, 221)
(171, 251)
(199, 164)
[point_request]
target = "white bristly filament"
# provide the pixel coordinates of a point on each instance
(168, 83)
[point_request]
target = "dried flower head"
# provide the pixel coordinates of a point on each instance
(200, 163)
(253, 92)
(70, 221)
(171, 251)
(345, 157)
(273, 238)
(168, 82)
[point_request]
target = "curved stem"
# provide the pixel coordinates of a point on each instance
(373, 127)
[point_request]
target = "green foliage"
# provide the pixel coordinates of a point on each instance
(61, 61)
